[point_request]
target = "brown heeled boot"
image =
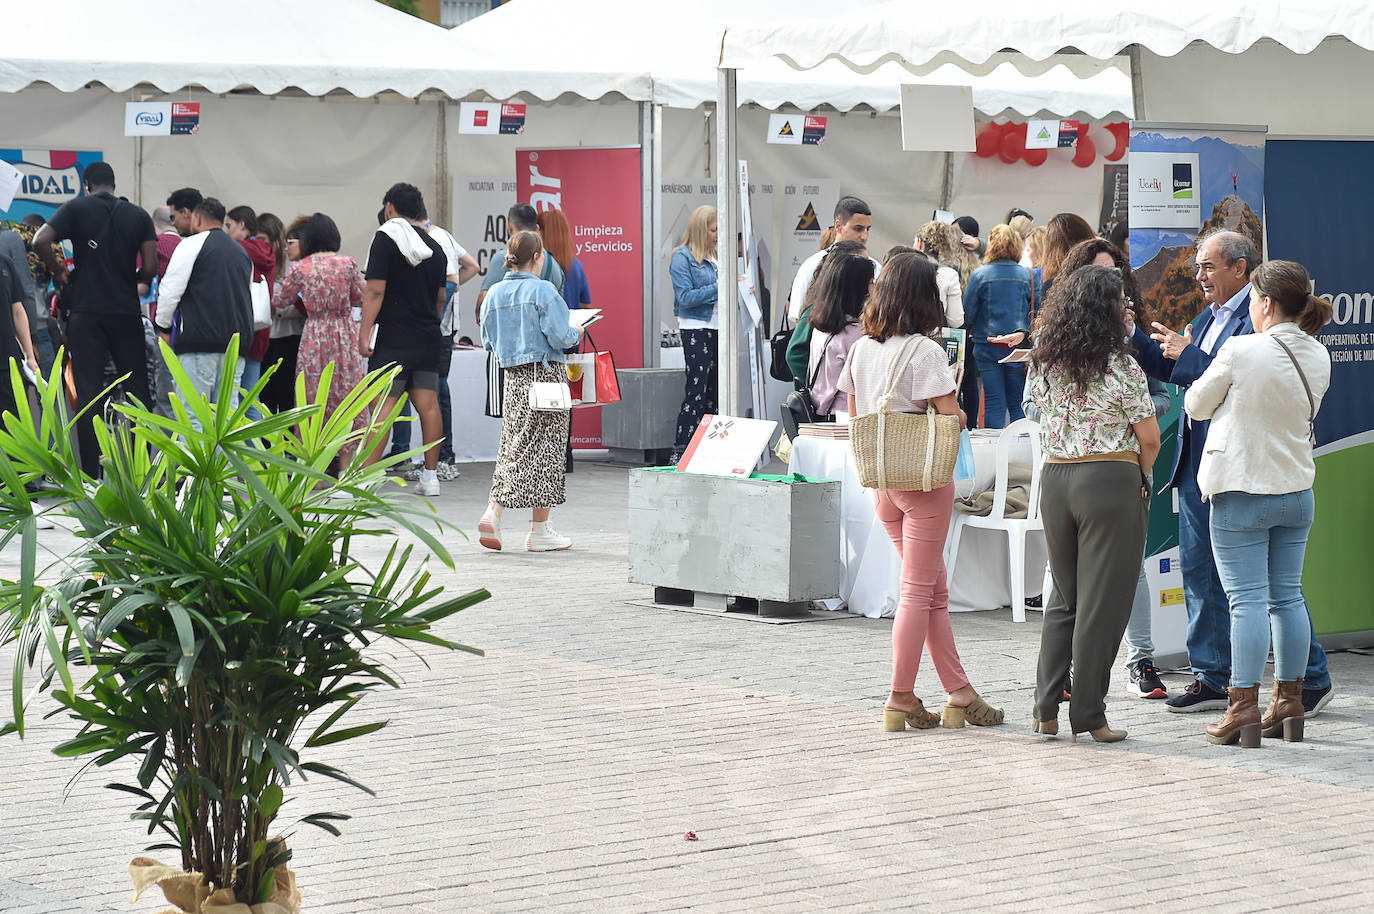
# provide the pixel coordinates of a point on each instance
(1242, 720)
(1285, 712)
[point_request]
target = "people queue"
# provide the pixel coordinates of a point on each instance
(187, 272)
(1094, 379)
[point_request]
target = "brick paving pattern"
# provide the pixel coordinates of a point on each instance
(561, 771)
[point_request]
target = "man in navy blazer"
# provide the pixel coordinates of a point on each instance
(1224, 263)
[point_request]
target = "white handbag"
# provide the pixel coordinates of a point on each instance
(550, 396)
(261, 294)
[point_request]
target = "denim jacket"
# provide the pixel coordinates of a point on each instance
(524, 319)
(694, 286)
(997, 300)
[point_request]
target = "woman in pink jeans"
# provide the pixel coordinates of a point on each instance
(905, 302)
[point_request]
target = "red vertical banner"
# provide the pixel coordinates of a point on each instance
(598, 191)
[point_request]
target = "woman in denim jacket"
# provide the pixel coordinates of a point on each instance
(997, 307)
(693, 271)
(525, 326)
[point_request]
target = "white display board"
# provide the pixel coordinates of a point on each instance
(1165, 190)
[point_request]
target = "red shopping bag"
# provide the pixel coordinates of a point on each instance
(591, 376)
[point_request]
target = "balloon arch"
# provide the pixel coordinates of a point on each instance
(1008, 143)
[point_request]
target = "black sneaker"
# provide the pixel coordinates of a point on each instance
(1199, 696)
(1143, 681)
(1068, 686)
(1313, 700)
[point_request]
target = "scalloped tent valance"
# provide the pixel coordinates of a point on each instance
(865, 36)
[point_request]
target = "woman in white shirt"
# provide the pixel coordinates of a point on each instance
(1262, 393)
(901, 314)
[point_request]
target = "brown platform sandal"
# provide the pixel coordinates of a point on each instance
(919, 719)
(977, 712)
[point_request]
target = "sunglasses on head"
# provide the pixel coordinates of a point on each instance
(1021, 212)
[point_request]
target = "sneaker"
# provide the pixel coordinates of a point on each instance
(543, 538)
(489, 528)
(1199, 696)
(429, 487)
(447, 470)
(1313, 700)
(1144, 680)
(1068, 686)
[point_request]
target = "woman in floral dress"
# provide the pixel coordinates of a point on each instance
(326, 286)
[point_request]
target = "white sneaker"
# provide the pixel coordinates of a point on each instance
(447, 471)
(428, 487)
(44, 522)
(489, 528)
(543, 538)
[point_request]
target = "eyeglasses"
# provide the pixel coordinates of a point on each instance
(293, 241)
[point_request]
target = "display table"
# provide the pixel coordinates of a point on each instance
(871, 565)
(476, 436)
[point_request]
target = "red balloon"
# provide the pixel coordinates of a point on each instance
(1013, 145)
(1086, 153)
(1035, 157)
(1122, 132)
(988, 141)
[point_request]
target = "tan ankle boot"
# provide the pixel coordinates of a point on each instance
(1285, 712)
(1242, 720)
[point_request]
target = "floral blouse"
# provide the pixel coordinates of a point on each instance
(1097, 420)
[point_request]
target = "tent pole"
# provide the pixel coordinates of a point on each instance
(727, 222)
(1137, 84)
(650, 165)
(443, 194)
(947, 185)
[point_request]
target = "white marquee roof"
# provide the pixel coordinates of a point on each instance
(676, 54)
(866, 35)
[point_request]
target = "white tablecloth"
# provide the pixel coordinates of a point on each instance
(871, 565)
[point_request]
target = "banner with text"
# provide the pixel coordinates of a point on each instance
(598, 190)
(480, 204)
(1317, 195)
(808, 208)
(48, 178)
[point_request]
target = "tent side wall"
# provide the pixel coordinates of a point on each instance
(1324, 93)
(284, 155)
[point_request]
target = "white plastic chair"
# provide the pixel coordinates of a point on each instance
(1016, 528)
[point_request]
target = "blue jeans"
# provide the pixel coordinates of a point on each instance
(400, 432)
(252, 371)
(1259, 542)
(42, 347)
(1140, 642)
(1209, 613)
(1003, 385)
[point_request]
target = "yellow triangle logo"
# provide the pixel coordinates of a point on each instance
(808, 221)
(786, 129)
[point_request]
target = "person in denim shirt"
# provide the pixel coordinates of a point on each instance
(693, 271)
(525, 326)
(996, 311)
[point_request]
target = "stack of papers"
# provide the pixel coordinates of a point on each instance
(832, 430)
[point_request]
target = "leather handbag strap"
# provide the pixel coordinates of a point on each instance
(1311, 401)
(816, 372)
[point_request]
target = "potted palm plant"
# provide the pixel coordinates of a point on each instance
(212, 626)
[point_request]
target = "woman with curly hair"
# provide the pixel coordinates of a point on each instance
(941, 242)
(1100, 439)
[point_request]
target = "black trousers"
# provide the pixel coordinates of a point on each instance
(699, 398)
(93, 339)
(280, 392)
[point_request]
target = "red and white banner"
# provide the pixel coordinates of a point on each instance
(598, 191)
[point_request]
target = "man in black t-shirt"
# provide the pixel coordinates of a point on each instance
(15, 342)
(402, 302)
(108, 236)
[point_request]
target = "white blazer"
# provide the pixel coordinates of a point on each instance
(1258, 440)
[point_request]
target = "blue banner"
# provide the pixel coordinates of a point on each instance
(1317, 212)
(1318, 194)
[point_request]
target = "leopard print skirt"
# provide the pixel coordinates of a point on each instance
(530, 461)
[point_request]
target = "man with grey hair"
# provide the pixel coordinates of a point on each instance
(1225, 261)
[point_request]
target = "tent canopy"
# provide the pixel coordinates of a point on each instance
(916, 34)
(677, 55)
(319, 46)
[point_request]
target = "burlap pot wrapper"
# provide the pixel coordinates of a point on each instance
(190, 895)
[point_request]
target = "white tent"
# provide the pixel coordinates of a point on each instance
(1297, 67)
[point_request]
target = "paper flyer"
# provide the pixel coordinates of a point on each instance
(955, 340)
(726, 446)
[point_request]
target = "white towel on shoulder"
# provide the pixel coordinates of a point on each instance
(408, 241)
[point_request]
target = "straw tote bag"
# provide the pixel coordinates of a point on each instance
(904, 451)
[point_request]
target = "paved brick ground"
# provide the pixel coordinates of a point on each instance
(561, 771)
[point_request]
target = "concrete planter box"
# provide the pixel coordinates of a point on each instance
(721, 537)
(642, 426)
